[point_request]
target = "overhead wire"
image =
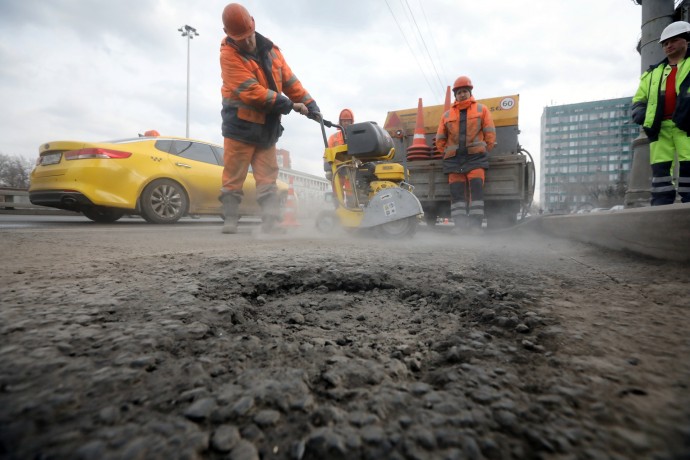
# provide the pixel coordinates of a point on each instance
(433, 41)
(421, 36)
(411, 28)
(402, 32)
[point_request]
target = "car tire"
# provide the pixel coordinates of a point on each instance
(103, 215)
(163, 201)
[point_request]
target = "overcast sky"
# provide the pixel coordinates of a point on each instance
(97, 70)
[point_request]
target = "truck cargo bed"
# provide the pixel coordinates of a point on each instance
(503, 179)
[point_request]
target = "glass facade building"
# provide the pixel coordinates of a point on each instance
(586, 152)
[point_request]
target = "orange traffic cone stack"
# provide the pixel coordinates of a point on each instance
(419, 150)
(290, 213)
(446, 107)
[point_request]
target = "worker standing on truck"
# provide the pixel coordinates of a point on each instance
(465, 136)
(662, 106)
(345, 119)
(258, 87)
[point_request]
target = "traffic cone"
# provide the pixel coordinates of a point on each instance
(290, 213)
(419, 150)
(446, 107)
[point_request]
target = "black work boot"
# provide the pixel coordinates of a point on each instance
(475, 225)
(461, 225)
(231, 205)
(271, 224)
(271, 215)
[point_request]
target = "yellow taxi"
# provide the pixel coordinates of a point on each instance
(161, 178)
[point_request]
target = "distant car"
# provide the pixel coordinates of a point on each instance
(161, 178)
(599, 209)
(618, 207)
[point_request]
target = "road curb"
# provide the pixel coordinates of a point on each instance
(661, 232)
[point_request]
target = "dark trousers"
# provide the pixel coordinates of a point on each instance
(467, 195)
(663, 190)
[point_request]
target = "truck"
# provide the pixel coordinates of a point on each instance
(510, 179)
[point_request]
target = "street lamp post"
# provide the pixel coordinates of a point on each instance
(189, 32)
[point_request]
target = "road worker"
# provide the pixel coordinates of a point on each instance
(258, 88)
(662, 106)
(465, 136)
(345, 119)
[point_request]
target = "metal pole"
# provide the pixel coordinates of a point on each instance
(189, 32)
(187, 131)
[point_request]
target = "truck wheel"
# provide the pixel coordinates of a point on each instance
(430, 219)
(502, 215)
(431, 214)
(403, 228)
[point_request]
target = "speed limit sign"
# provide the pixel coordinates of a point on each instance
(507, 103)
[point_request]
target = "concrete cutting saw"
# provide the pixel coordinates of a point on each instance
(369, 190)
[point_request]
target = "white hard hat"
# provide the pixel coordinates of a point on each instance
(674, 29)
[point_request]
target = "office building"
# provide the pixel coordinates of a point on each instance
(586, 154)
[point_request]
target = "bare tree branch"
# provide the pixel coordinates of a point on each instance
(15, 171)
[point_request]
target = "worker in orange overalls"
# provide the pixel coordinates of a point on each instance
(346, 118)
(465, 136)
(258, 88)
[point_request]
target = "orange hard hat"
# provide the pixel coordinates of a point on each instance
(462, 82)
(237, 21)
(152, 133)
(346, 114)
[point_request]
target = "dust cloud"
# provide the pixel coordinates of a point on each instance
(195, 344)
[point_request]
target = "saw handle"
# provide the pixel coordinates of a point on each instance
(324, 124)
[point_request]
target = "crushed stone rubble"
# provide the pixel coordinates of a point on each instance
(196, 357)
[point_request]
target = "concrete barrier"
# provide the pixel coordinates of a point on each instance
(662, 232)
(14, 198)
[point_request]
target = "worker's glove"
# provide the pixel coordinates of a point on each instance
(314, 116)
(638, 111)
(301, 108)
(314, 111)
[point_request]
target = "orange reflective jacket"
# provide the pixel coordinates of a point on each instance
(479, 135)
(254, 91)
(336, 139)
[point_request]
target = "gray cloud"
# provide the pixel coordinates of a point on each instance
(90, 70)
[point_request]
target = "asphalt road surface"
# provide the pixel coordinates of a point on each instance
(132, 340)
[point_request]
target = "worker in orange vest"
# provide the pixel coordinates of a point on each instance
(346, 118)
(465, 136)
(258, 88)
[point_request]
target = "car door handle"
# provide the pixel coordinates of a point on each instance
(184, 165)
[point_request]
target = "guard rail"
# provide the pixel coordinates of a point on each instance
(16, 201)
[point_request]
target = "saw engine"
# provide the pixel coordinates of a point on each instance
(371, 178)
